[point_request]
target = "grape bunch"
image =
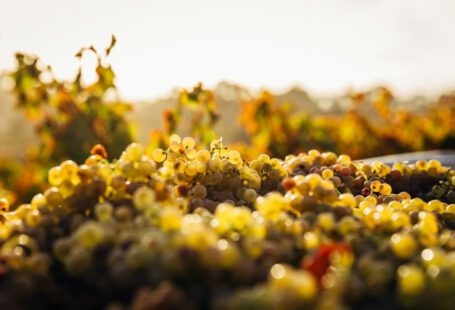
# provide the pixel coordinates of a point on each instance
(193, 228)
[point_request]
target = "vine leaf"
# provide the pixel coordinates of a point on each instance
(111, 46)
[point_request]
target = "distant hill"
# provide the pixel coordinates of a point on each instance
(15, 131)
(148, 115)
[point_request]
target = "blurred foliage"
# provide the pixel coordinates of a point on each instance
(278, 129)
(370, 126)
(195, 112)
(382, 129)
(68, 116)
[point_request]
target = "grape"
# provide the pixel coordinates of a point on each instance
(411, 279)
(385, 189)
(53, 197)
(55, 176)
(19, 245)
(188, 143)
(68, 170)
(170, 219)
(403, 245)
(62, 247)
(347, 200)
(39, 264)
(134, 152)
(288, 183)
(143, 198)
(103, 211)
(375, 186)
(311, 231)
(421, 165)
(204, 156)
(4, 205)
(451, 196)
(343, 159)
(199, 191)
(33, 218)
(250, 195)
(299, 282)
(89, 234)
(78, 260)
(435, 205)
(38, 202)
(175, 139)
(99, 150)
(191, 154)
(437, 191)
(215, 164)
(146, 167)
(191, 169)
(158, 155)
(327, 173)
(326, 221)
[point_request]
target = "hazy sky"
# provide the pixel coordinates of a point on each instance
(324, 46)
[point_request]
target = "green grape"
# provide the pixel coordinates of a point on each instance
(89, 234)
(176, 139)
(128, 169)
(170, 219)
(326, 221)
(158, 155)
(68, 170)
(250, 195)
(33, 218)
(411, 279)
(19, 245)
(403, 245)
(344, 159)
(4, 205)
(38, 201)
(53, 197)
(302, 283)
(347, 200)
(204, 156)
(77, 260)
(438, 191)
(385, 189)
(313, 153)
(327, 173)
(103, 211)
(62, 247)
(215, 164)
(146, 167)
(39, 263)
(188, 143)
(144, 198)
(55, 176)
(199, 191)
(229, 254)
(311, 231)
(191, 154)
(451, 195)
(191, 169)
(375, 186)
(174, 147)
(134, 152)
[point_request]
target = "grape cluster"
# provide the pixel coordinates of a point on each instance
(192, 228)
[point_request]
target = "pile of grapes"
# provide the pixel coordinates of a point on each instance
(191, 228)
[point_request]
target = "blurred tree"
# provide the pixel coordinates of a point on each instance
(69, 118)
